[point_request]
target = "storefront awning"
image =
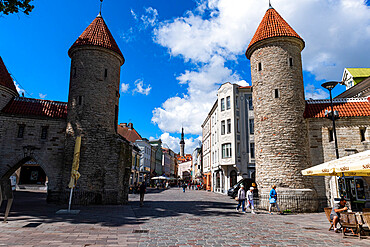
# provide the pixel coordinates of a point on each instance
(353, 165)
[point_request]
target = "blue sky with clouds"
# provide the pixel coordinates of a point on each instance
(179, 51)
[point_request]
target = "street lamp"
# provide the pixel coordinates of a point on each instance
(330, 85)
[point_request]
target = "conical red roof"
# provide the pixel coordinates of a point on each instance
(5, 78)
(97, 34)
(273, 25)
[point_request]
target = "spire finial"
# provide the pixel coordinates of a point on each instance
(101, 4)
(270, 6)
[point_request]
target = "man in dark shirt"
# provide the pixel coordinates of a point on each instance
(142, 190)
(335, 213)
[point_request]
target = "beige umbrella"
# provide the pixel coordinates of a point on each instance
(353, 165)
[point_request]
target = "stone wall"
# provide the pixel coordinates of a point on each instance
(322, 150)
(5, 96)
(48, 153)
(280, 130)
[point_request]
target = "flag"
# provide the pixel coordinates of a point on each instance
(75, 175)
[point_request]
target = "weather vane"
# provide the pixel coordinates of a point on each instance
(101, 3)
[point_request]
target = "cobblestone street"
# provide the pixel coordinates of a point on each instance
(168, 218)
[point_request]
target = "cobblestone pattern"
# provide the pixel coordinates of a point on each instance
(171, 217)
(280, 130)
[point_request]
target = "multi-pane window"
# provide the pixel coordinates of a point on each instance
(223, 127)
(229, 126)
(252, 150)
(226, 150)
(20, 130)
(250, 103)
(228, 102)
(222, 104)
(251, 126)
(362, 134)
(44, 132)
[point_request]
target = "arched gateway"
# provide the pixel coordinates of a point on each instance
(45, 130)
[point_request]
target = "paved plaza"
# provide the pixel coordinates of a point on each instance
(168, 218)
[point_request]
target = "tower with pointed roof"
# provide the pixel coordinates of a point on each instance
(182, 144)
(7, 86)
(93, 100)
(278, 100)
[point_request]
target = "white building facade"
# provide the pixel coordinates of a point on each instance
(145, 158)
(228, 137)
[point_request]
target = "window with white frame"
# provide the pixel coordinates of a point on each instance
(229, 126)
(226, 150)
(228, 105)
(222, 104)
(223, 127)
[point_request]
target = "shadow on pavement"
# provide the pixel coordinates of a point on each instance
(31, 206)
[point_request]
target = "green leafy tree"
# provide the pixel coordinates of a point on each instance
(14, 6)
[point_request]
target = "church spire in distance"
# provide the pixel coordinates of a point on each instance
(182, 143)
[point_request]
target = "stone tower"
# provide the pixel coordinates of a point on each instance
(278, 101)
(7, 87)
(182, 143)
(93, 101)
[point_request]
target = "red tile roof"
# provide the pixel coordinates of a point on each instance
(185, 158)
(97, 34)
(353, 107)
(129, 133)
(5, 78)
(272, 25)
(36, 107)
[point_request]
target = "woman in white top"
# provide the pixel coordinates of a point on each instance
(250, 203)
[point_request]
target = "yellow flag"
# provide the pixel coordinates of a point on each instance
(76, 163)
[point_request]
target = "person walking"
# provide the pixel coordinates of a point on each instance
(184, 185)
(250, 202)
(273, 200)
(142, 190)
(241, 199)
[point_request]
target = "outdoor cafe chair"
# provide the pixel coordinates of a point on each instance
(350, 223)
(327, 213)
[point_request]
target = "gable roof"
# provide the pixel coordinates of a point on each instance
(272, 25)
(129, 133)
(359, 72)
(97, 34)
(5, 78)
(36, 107)
(353, 107)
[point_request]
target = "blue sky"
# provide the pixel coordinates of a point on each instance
(179, 51)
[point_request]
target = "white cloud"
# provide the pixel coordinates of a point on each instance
(191, 109)
(174, 143)
(124, 87)
(42, 96)
(134, 14)
(337, 34)
(141, 88)
(311, 92)
(150, 19)
(19, 89)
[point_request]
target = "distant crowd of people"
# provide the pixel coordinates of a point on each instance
(193, 185)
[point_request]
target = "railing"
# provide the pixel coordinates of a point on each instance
(294, 203)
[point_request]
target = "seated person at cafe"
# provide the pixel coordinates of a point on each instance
(335, 213)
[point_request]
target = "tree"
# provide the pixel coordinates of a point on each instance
(14, 6)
